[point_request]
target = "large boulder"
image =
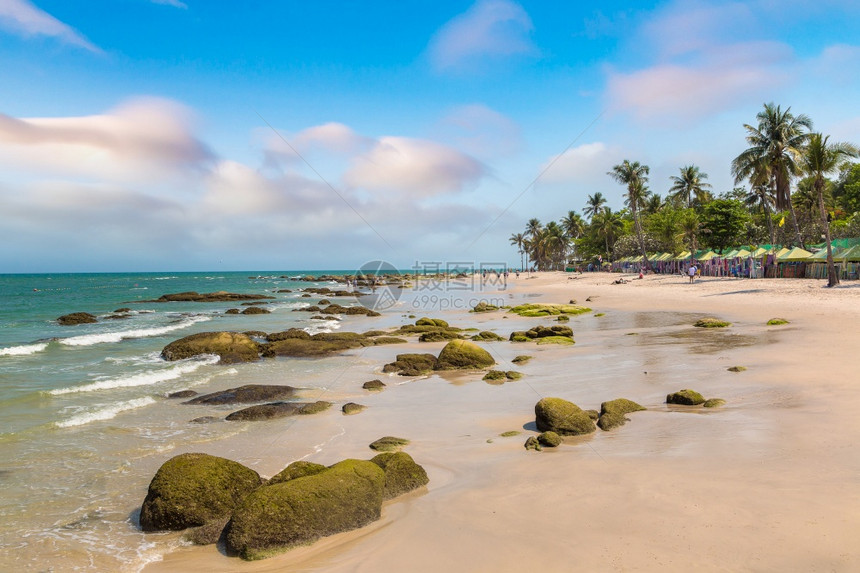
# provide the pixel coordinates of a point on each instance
(76, 318)
(232, 347)
(191, 490)
(299, 511)
(245, 395)
(462, 354)
(402, 474)
(562, 417)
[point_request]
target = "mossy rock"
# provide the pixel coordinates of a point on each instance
(412, 364)
(561, 340)
(314, 407)
(262, 412)
(244, 395)
(513, 375)
(232, 311)
(191, 490)
(510, 433)
(599, 314)
(461, 354)
(547, 331)
(231, 347)
(711, 323)
(207, 534)
(685, 398)
(371, 333)
(519, 336)
(714, 403)
(593, 414)
(438, 336)
(389, 444)
(296, 512)
(612, 413)
(538, 310)
(487, 336)
(351, 408)
(522, 359)
(532, 444)
(562, 417)
(324, 302)
(288, 334)
(431, 322)
(495, 375)
(402, 474)
(380, 340)
(76, 318)
(484, 307)
(373, 385)
(549, 439)
(776, 321)
(256, 310)
(563, 318)
(736, 368)
(296, 470)
(611, 420)
(313, 348)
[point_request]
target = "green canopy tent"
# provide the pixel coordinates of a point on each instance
(791, 264)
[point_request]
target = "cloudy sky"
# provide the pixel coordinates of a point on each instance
(211, 135)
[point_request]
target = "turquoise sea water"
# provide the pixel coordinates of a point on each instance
(79, 404)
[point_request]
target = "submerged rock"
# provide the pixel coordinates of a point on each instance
(182, 394)
(232, 347)
(219, 296)
(537, 310)
(191, 490)
(245, 394)
(76, 318)
(562, 417)
(711, 323)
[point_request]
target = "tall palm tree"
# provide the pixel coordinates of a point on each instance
(777, 141)
(518, 240)
(608, 225)
(594, 205)
(634, 176)
(533, 229)
(820, 159)
(689, 186)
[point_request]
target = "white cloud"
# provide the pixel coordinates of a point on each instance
(490, 28)
(481, 131)
(174, 3)
(22, 17)
(142, 138)
(585, 164)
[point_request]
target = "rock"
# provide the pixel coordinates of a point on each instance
(521, 359)
(412, 364)
(513, 375)
(122, 310)
(431, 322)
(209, 533)
(205, 420)
(564, 318)
(519, 336)
(261, 412)
(487, 336)
(299, 511)
(714, 403)
(245, 395)
(232, 311)
(549, 440)
(296, 470)
(686, 398)
(532, 444)
(438, 336)
(219, 296)
(562, 417)
(371, 333)
(495, 377)
(287, 335)
(621, 406)
(77, 318)
(379, 340)
(315, 407)
(545, 331)
(402, 474)
(711, 323)
(484, 307)
(389, 444)
(256, 310)
(561, 340)
(375, 385)
(461, 354)
(309, 348)
(736, 368)
(510, 433)
(351, 408)
(776, 321)
(191, 490)
(537, 310)
(182, 394)
(324, 302)
(255, 333)
(593, 414)
(232, 347)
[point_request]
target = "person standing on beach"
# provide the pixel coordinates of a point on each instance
(692, 272)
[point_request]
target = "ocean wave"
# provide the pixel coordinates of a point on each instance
(103, 337)
(143, 379)
(322, 326)
(24, 349)
(106, 413)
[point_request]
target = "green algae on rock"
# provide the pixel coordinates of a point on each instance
(541, 309)
(314, 407)
(388, 444)
(711, 322)
(549, 439)
(495, 376)
(295, 470)
(462, 354)
(411, 364)
(776, 321)
(231, 347)
(561, 340)
(351, 408)
(522, 359)
(191, 490)
(510, 433)
(373, 385)
(487, 336)
(532, 444)
(562, 417)
(612, 413)
(713, 403)
(736, 368)
(685, 398)
(431, 322)
(484, 307)
(402, 474)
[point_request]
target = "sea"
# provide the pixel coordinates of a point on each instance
(84, 414)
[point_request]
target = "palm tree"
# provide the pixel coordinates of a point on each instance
(777, 142)
(533, 229)
(608, 225)
(759, 196)
(594, 205)
(689, 186)
(690, 229)
(573, 227)
(818, 160)
(652, 203)
(634, 176)
(518, 240)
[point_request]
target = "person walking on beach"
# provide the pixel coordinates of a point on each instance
(692, 272)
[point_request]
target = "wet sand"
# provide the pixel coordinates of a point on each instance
(771, 481)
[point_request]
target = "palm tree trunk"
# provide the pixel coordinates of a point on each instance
(796, 226)
(832, 276)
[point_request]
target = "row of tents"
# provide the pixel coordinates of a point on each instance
(763, 261)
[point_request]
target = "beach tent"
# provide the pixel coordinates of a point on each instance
(761, 251)
(794, 255)
(684, 256)
(730, 255)
(664, 257)
(851, 254)
(780, 252)
(706, 256)
(821, 256)
(742, 254)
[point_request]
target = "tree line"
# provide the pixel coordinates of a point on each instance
(794, 187)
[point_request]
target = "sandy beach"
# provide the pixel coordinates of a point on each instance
(769, 482)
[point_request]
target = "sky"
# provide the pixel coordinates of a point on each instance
(168, 135)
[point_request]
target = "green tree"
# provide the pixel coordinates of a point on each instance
(634, 176)
(777, 142)
(594, 204)
(665, 227)
(689, 224)
(847, 190)
(609, 225)
(689, 186)
(723, 223)
(819, 159)
(518, 240)
(760, 197)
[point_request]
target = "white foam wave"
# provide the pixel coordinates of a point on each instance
(103, 337)
(143, 379)
(322, 326)
(23, 350)
(107, 413)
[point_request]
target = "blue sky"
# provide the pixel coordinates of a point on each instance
(192, 135)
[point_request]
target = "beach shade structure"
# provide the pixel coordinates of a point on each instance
(780, 252)
(742, 254)
(684, 256)
(761, 251)
(664, 257)
(707, 256)
(821, 256)
(851, 254)
(730, 255)
(794, 255)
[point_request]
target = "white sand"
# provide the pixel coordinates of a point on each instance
(770, 482)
